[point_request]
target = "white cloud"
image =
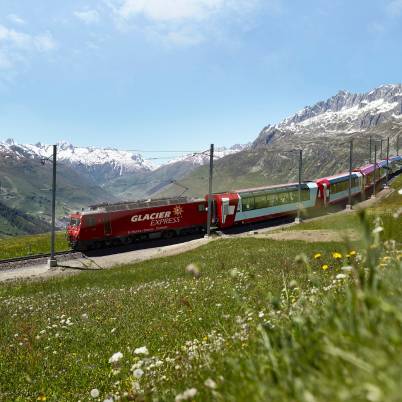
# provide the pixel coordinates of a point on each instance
(16, 19)
(181, 22)
(395, 8)
(88, 16)
(15, 45)
(169, 10)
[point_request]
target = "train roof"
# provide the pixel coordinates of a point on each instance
(273, 187)
(141, 204)
(337, 176)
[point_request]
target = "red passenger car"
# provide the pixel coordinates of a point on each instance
(122, 223)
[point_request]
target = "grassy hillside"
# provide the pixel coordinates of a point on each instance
(20, 246)
(26, 186)
(14, 222)
(235, 320)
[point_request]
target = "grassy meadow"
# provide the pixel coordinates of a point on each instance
(19, 246)
(236, 320)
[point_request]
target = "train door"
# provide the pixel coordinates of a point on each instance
(107, 225)
(225, 209)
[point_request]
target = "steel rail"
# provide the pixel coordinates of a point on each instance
(33, 257)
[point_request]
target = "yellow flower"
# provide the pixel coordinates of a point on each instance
(352, 253)
(325, 267)
(336, 255)
(347, 256)
(41, 397)
(317, 256)
(205, 338)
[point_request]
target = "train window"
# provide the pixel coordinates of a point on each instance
(260, 201)
(247, 203)
(343, 185)
(201, 208)
(90, 221)
(74, 222)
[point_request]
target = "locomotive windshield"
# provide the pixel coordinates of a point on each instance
(74, 222)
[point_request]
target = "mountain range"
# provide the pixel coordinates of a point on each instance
(89, 175)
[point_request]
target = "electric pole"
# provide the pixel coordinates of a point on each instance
(298, 218)
(386, 177)
(211, 169)
(375, 169)
(52, 261)
(349, 206)
(370, 146)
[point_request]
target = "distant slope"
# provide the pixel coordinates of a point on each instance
(25, 184)
(14, 222)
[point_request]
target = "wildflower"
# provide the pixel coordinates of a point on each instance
(352, 253)
(261, 314)
(193, 270)
(400, 191)
(116, 357)
(113, 329)
(325, 267)
(138, 373)
(341, 276)
(317, 256)
(336, 255)
(187, 394)
(347, 268)
(94, 393)
(41, 397)
(378, 229)
(84, 316)
(205, 338)
(141, 351)
(210, 383)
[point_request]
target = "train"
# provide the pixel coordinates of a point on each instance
(112, 224)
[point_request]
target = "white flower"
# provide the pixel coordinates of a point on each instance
(84, 316)
(348, 268)
(261, 314)
(116, 357)
(187, 394)
(113, 329)
(193, 270)
(378, 229)
(210, 383)
(400, 191)
(141, 351)
(341, 276)
(108, 400)
(94, 393)
(138, 373)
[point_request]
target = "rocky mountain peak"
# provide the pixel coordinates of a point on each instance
(344, 112)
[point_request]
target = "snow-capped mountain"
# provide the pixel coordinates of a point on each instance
(113, 161)
(345, 113)
(200, 159)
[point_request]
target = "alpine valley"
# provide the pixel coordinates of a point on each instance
(91, 175)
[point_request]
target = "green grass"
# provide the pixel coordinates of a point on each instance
(262, 321)
(20, 246)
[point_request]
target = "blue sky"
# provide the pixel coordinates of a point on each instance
(180, 74)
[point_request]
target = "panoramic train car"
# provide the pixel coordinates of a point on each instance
(334, 189)
(394, 164)
(368, 175)
(122, 223)
(263, 203)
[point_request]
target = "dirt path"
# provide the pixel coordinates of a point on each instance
(311, 236)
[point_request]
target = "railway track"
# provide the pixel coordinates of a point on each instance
(33, 257)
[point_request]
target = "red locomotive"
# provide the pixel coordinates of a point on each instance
(122, 223)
